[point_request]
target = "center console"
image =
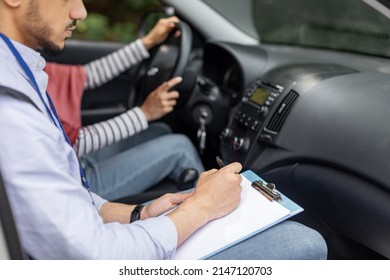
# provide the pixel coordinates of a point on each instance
(248, 120)
(256, 122)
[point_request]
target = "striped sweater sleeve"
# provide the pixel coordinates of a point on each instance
(103, 70)
(99, 72)
(96, 136)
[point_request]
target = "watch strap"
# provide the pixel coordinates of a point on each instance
(136, 213)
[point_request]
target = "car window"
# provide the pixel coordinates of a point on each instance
(348, 25)
(108, 22)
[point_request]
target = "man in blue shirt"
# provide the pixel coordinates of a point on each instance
(56, 215)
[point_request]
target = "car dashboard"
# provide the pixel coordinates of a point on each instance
(315, 123)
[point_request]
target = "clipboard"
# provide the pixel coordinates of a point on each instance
(255, 214)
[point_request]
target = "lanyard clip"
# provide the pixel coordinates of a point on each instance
(85, 183)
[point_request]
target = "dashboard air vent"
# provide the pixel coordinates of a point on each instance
(276, 122)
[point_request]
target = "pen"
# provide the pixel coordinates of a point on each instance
(168, 211)
(220, 162)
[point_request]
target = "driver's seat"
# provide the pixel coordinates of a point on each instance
(187, 180)
(165, 186)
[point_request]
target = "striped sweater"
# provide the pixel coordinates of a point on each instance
(98, 72)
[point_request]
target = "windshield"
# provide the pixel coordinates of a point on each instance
(348, 25)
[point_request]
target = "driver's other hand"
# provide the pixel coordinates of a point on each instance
(159, 32)
(161, 101)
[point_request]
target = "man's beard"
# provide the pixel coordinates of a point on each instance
(49, 48)
(46, 46)
(40, 31)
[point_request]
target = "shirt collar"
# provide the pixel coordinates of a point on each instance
(33, 58)
(34, 61)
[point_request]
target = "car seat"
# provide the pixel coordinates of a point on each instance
(10, 247)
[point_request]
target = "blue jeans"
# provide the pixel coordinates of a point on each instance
(286, 241)
(139, 162)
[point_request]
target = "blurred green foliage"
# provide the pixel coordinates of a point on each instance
(113, 20)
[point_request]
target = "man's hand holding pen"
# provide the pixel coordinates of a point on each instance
(220, 190)
(217, 192)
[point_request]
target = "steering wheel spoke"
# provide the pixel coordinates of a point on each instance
(167, 61)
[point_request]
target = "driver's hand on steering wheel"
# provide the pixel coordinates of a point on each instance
(160, 32)
(161, 101)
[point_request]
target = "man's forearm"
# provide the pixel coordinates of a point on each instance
(188, 218)
(116, 212)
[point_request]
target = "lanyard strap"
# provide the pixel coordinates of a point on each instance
(27, 70)
(53, 110)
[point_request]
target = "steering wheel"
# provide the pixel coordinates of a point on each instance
(160, 67)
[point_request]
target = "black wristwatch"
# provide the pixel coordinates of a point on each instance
(136, 213)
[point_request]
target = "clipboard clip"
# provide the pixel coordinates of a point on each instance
(267, 189)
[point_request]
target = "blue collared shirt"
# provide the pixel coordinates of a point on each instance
(54, 213)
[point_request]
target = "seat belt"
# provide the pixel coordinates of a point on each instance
(18, 95)
(15, 248)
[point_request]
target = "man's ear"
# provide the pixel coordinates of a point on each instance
(13, 3)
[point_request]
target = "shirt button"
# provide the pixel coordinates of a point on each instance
(41, 63)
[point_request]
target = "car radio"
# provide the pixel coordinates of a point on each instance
(255, 106)
(250, 115)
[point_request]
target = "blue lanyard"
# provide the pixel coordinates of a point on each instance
(30, 75)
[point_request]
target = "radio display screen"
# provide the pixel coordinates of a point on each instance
(259, 96)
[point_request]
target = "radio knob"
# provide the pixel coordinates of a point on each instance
(238, 144)
(264, 110)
